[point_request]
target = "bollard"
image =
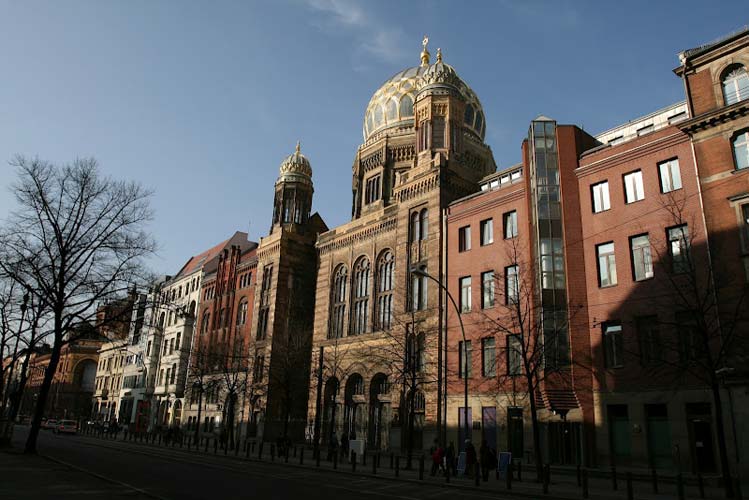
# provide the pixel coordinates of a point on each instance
(477, 475)
(159, 439)
(301, 456)
(613, 478)
(272, 452)
(585, 483)
(364, 459)
(738, 494)
(286, 456)
(335, 459)
(182, 441)
(700, 485)
(188, 444)
(391, 459)
(374, 465)
(447, 471)
(353, 461)
(546, 479)
(520, 471)
(397, 466)
(215, 446)
(226, 447)
(579, 476)
(317, 458)
(680, 486)
(630, 493)
(654, 476)
(496, 474)
(421, 468)
(294, 451)
(260, 451)
(247, 451)
(508, 475)
(206, 445)
(253, 447)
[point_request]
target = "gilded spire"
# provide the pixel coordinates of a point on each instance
(424, 52)
(298, 147)
(439, 55)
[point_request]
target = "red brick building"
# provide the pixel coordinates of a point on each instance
(632, 255)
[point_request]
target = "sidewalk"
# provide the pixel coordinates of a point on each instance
(563, 483)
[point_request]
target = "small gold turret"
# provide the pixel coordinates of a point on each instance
(298, 147)
(439, 55)
(425, 53)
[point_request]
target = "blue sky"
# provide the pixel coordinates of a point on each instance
(201, 101)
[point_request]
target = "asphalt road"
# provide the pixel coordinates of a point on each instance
(135, 471)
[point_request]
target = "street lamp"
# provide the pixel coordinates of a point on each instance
(421, 271)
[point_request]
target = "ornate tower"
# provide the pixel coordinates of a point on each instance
(293, 199)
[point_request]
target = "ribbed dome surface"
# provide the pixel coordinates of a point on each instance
(295, 167)
(391, 106)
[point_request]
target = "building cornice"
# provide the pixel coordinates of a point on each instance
(364, 233)
(629, 154)
(715, 117)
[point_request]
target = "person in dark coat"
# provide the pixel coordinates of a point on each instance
(438, 453)
(450, 459)
(332, 446)
(471, 458)
(485, 458)
(344, 445)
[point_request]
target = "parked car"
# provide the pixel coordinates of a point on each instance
(67, 427)
(50, 423)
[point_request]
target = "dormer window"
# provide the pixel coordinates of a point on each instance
(735, 84)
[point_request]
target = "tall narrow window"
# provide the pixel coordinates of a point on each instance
(264, 314)
(415, 229)
(418, 299)
(488, 357)
(613, 345)
(634, 189)
(648, 337)
(678, 248)
(512, 284)
(552, 264)
(741, 150)
(690, 343)
(360, 307)
(487, 289)
(177, 342)
(438, 132)
(514, 355)
(606, 265)
(510, 223)
(465, 294)
(464, 359)
(642, 262)
(372, 190)
(556, 338)
(670, 175)
(735, 84)
(338, 311)
(745, 237)
(242, 313)
(385, 274)
(600, 195)
(487, 232)
(464, 239)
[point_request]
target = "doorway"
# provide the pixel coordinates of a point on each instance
(699, 421)
(515, 432)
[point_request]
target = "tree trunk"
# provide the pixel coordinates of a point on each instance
(536, 432)
(197, 427)
(725, 467)
(49, 374)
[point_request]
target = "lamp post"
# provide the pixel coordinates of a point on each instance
(421, 271)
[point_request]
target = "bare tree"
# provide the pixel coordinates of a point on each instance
(201, 377)
(700, 336)
(408, 352)
(75, 240)
(233, 363)
(536, 338)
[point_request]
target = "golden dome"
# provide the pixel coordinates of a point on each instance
(295, 167)
(392, 105)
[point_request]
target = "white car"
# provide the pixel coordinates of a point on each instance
(50, 424)
(66, 426)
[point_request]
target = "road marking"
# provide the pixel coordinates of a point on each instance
(105, 478)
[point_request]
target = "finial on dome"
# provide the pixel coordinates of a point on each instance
(439, 55)
(298, 147)
(425, 53)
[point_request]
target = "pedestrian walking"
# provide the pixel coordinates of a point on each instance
(450, 458)
(438, 453)
(332, 446)
(471, 458)
(485, 459)
(344, 445)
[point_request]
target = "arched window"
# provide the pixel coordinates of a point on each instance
(479, 122)
(360, 307)
(468, 118)
(406, 106)
(162, 316)
(205, 323)
(741, 149)
(415, 232)
(370, 123)
(242, 313)
(392, 111)
(338, 311)
(735, 84)
(385, 273)
(423, 223)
